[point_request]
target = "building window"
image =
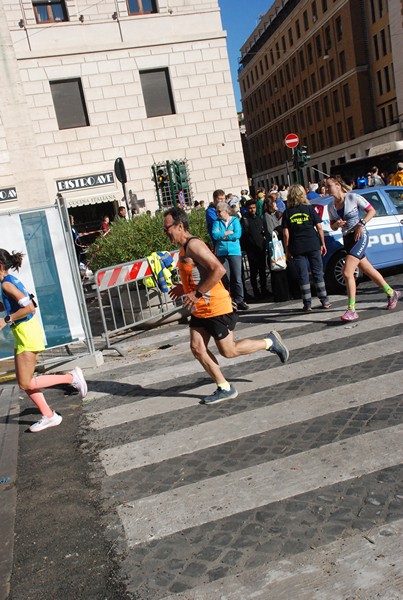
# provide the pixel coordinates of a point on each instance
(310, 53)
(302, 119)
(281, 78)
(380, 5)
(302, 60)
(340, 132)
(298, 91)
(376, 47)
(342, 59)
(346, 94)
(318, 45)
(373, 17)
(326, 105)
(294, 65)
(339, 29)
(290, 38)
(69, 103)
(350, 127)
(391, 115)
(336, 102)
(271, 56)
(322, 76)
(283, 43)
(321, 142)
(317, 111)
(313, 142)
(141, 7)
(306, 23)
(297, 28)
(309, 115)
(332, 69)
(387, 78)
(328, 38)
(324, 5)
(314, 11)
(383, 42)
(330, 136)
(157, 92)
(313, 83)
(287, 72)
(305, 86)
(383, 117)
(277, 51)
(380, 86)
(50, 11)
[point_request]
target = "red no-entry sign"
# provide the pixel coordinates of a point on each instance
(291, 140)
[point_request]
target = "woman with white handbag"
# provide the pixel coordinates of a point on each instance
(304, 241)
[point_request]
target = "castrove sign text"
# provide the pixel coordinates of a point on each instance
(78, 183)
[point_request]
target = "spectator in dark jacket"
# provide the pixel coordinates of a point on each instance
(211, 214)
(254, 243)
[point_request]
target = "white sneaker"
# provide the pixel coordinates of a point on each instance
(46, 422)
(79, 382)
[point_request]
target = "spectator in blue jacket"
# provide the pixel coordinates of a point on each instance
(211, 215)
(226, 233)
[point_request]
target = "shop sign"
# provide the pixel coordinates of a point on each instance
(80, 183)
(7, 194)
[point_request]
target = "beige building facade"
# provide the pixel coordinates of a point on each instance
(329, 71)
(84, 83)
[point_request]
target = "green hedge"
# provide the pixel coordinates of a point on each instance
(131, 240)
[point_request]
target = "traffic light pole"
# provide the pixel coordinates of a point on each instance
(296, 163)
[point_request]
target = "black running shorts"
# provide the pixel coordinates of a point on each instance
(218, 327)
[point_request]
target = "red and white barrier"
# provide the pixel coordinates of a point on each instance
(120, 274)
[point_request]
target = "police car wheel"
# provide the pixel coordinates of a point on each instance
(334, 274)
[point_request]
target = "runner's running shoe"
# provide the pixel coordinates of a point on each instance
(349, 315)
(219, 395)
(392, 302)
(46, 422)
(79, 382)
(278, 347)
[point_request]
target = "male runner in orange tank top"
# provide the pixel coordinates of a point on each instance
(210, 305)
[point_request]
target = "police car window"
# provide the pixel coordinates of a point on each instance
(374, 199)
(397, 199)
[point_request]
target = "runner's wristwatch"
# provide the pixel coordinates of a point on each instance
(7, 320)
(198, 294)
(363, 222)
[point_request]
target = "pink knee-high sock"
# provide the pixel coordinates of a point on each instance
(45, 381)
(39, 399)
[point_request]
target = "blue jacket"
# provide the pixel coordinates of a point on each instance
(231, 245)
(211, 217)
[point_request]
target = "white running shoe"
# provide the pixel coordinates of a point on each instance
(46, 422)
(79, 382)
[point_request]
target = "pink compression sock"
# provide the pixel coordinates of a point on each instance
(45, 381)
(39, 399)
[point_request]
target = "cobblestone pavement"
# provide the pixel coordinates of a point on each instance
(306, 457)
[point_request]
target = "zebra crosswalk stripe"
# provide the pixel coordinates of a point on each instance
(189, 366)
(140, 453)
(258, 379)
(343, 569)
(155, 517)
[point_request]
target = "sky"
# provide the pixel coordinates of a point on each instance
(239, 18)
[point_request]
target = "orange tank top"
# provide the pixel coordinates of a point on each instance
(215, 302)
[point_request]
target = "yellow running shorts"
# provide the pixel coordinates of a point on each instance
(28, 336)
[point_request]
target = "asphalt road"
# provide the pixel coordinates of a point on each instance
(293, 490)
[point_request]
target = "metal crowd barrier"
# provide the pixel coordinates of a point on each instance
(125, 301)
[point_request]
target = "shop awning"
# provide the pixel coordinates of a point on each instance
(98, 199)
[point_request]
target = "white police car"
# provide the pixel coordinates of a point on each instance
(385, 248)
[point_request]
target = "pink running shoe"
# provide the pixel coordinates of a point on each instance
(349, 315)
(392, 302)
